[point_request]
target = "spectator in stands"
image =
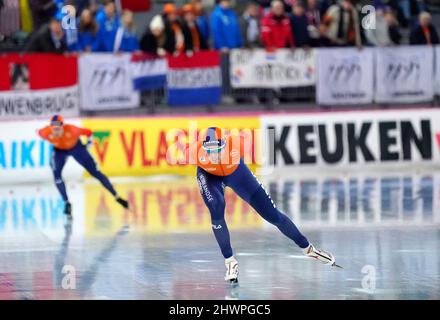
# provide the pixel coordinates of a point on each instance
(325, 4)
(343, 25)
(410, 10)
(48, 39)
(59, 4)
(393, 27)
(175, 39)
(81, 5)
(202, 19)
(88, 29)
(108, 24)
(385, 32)
(264, 4)
(289, 4)
(379, 35)
(69, 24)
(194, 40)
(250, 26)
(299, 25)
(9, 17)
(1, 29)
(424, 32)
(154, 39)
(225, 27)
(313, 15)
(276, 31)
(94, 7)
(42, 12)
(164, 34)
(125, 38)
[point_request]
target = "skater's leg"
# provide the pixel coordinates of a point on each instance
(212, 191)
(246, 185)
(263, 204)
(57, 163)
(84, 158)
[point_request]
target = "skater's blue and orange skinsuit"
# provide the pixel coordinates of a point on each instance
(69, 144)
(229, 170)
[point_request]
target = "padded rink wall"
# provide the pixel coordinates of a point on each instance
(347, 140)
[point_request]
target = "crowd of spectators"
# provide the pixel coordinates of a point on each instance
(100, 27)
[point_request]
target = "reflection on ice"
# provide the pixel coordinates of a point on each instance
(359, 201)
(388, 221)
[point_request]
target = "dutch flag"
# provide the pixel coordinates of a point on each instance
(194, 80)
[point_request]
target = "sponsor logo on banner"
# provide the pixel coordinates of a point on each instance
(278, 69)
(38, 86)
(131, 147)
(106, 82)
(194, 80)
(404, 75)
(346, 140)
(345, 76)
(25, 157)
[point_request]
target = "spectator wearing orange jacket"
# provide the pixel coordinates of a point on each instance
(276, 31)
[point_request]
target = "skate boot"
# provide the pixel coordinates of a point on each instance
(68, 209)
(122, 202)
(320, 255)
(231, 270)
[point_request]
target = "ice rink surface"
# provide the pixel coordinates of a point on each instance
(383, 229)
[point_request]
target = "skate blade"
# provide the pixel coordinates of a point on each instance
(337, 266)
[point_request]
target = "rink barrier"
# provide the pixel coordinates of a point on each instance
(138, 146)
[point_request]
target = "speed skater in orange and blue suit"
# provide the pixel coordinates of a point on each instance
(220, 164)
(66, 142)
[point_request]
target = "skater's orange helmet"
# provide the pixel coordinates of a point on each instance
(56, 120)
(217, 154)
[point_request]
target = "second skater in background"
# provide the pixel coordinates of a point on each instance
(66, 141)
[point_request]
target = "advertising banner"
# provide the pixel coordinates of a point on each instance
(37, 86)
(106, 82)
(345, 76)
(25, 157)
(382, 139)
(275, 69)
(404, 75)
(139, 146)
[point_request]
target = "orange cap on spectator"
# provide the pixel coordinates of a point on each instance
(169, 8)
(187, 8)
